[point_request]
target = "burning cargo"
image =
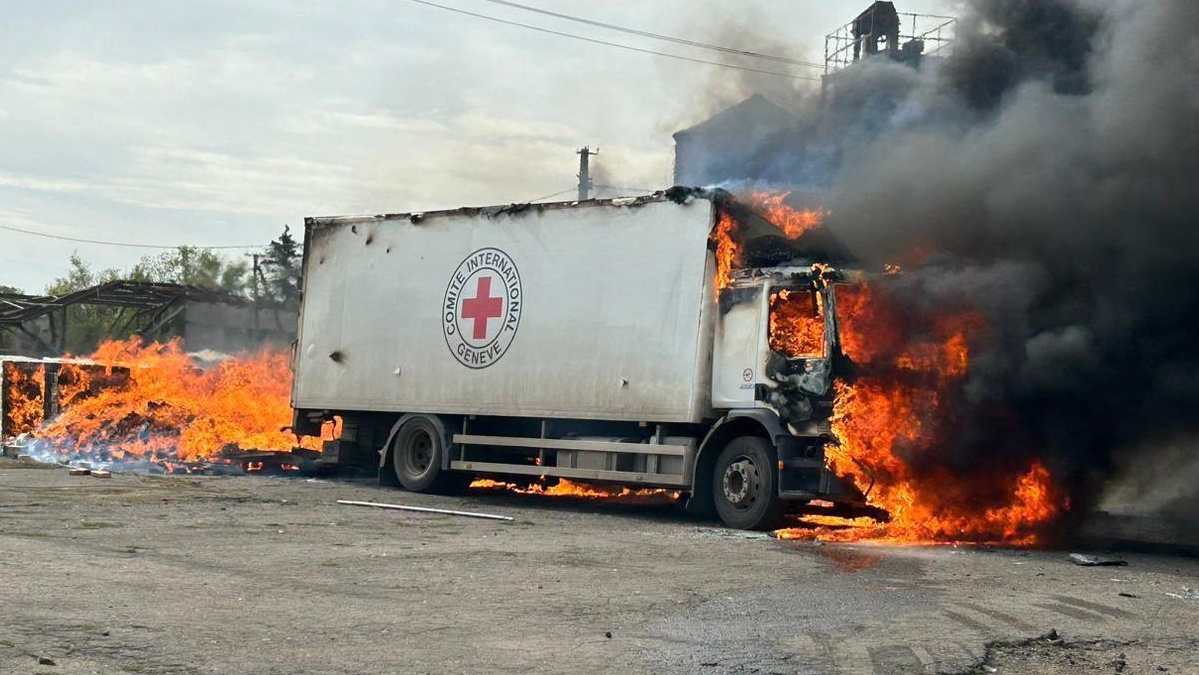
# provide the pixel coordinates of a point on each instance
(152, 408)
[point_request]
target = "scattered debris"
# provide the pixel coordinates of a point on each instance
(424, 509)
(46, 661)
(13, 446)
(1187, 594)
(1053, 638)
(725, 533)
(1096, 561)
(1122, 594)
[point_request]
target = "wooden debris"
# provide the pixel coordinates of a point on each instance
(78, 471)
(1096, 561)
(423, 509)
(101, 473)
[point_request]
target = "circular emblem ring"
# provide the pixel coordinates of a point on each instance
(481, 309)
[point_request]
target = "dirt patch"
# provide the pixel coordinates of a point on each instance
(1064, 657)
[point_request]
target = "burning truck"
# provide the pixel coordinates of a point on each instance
(511, 343)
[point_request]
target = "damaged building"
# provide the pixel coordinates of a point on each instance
(206, 319)
(731, 145)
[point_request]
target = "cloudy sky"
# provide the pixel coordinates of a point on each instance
(214, 123)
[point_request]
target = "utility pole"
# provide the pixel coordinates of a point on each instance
(183, 272)
(254, 285)
(585, 172)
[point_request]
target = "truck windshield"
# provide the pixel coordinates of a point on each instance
(796, 324)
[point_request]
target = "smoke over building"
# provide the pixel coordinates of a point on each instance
(1042, 173)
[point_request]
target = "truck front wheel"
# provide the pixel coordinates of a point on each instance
(416, 456)
(744, 485)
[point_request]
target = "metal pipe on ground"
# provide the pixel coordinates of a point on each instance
(424, 509)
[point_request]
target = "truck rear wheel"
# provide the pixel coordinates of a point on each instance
(416, 456)
(744, 485)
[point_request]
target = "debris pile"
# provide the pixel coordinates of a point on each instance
(154, 409)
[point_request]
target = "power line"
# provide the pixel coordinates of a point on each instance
(658, 36)
(560, 192)
(111, 243)
(625, 189)
(612, 44)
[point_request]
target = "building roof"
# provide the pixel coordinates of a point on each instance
(757, 111)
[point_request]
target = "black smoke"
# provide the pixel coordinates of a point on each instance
(1051, 165)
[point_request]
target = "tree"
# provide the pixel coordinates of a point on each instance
(192, 266)
(86, 324)
(280, 268)
(80, 275)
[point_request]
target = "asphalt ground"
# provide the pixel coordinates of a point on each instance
(139, 574)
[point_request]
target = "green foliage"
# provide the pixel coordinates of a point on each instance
(86, 324)
(278, 283)
(80, 275)
(280, 270)
(192, 266)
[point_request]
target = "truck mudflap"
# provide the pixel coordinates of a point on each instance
(804, 475)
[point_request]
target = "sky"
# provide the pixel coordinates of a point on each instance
(217, 122)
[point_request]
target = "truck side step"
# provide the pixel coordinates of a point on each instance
(648, 479)
(568, 444)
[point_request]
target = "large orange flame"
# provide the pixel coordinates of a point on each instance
(796, 324)
(793, 223)
(891, 421)
(23, 387)
(727, 249)
(170, 410)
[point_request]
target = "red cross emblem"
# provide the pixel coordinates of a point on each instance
(482, 307)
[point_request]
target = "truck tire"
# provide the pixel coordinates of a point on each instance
(745, 485)
(416, 456)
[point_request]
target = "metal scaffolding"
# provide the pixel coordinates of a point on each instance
(881, 29)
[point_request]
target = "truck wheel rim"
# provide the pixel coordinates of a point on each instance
(741, 482)
(418, 455)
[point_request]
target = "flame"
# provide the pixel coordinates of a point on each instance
(892, 421)
(796, 324)
(793, 222)
(566, 488)
(169, 410)
(73, 382)
(24, 384)
(727, 250)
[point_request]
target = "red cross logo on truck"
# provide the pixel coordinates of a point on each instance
(481, 309)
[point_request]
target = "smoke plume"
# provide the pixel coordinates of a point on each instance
(1046, 173)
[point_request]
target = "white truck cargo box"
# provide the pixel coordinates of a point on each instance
(595, 310)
